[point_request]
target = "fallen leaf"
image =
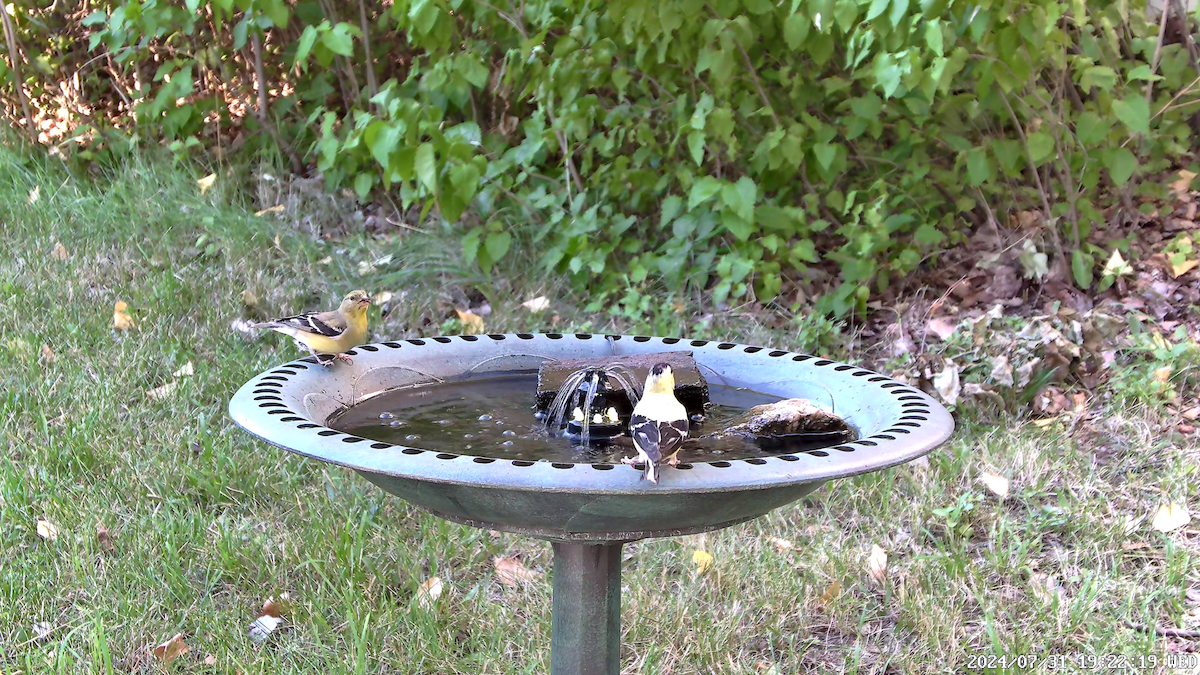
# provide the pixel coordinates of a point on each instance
(262, 627)
(1183, 183)
(703, 560)
(210, 660)
(781, 544)
(1171, 517)
(35, 193)
(1002, 372)
(278, 208)
(946, 383)
(1191, 413)
(942, 328)
(877, 563)
(538, 304)
(472, 323)
(997, 484)
(429, 592)
(365, 268)
(171, 649)
(1045, 588)
(185, 371)
(834, 590)
(249, 299)
(46, 529)
(511, 572)
(121, 318)
(59, 252)
(1045, 422)
(48, 355)
(206, 182)
(381, 299)
(163, 392)
(326, 260)
(243, 328)
(1162, 375)
(1183, 267)
(41, 629)
(105, 539)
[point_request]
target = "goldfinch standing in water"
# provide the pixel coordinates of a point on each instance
(327, 334)
(659, 424)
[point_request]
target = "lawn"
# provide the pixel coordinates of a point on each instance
(204, 524)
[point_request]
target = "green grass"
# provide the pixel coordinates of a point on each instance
(207, 523)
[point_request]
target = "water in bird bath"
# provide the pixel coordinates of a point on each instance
(493, 417)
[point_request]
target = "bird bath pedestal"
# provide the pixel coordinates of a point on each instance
(588, 511)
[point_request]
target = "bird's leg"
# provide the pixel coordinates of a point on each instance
(673, 460)
(630, 460)
(343, 357)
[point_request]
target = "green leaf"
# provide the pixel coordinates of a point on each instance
(825, 154)
(1143, 73)
(695, 142)
(497, 244)
(464, 179)
(671, 208)
(979, 167)
(844, 14)
(338, 39)
(276, 11)
(304, 46)
(1090, 128)
(1041, 146)
(899, 10)
(933, 37)
(735, 225)
(1098, 76)
(363, 183)
(795, 30)
(239, 32)
(928, 235)
(740, 197)
(426, 166)
(382, 139)
(702, 190)
(758, 6)
(1081, 268)
(470, 244)
(1135, 113)
(1121, 163)
(877, 7)
(423, 14)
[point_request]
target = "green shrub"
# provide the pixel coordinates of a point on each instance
(731, 146)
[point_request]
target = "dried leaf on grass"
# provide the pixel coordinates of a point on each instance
(947, 383)
(163, 392)
(46, 529)
(171, 649)
(941, 328)
(538, 304)
(35, 193)
(511, 572)
(703, 561)
(1183, 183)
(185, 371)
(429, 592)
(472, 323)
(262, 627)
(877, 563)
(59, 252)
(206, 182)
(48, 355)
(1171, 517)
(834, 590)
(41, 629)
(121, 318)
(278, 208)
(1045, 588)
(781, 544)
(1182, 268)
(997, 484)
(105, 540)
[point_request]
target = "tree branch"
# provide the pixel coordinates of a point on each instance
(372, 87)
(10, 35)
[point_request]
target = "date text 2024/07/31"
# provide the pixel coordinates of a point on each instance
(1184, 662)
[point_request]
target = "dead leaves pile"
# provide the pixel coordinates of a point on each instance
(512, 572)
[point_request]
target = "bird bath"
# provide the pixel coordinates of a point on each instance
(587, 509)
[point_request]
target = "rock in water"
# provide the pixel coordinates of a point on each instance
(789, 417)
(690, 386)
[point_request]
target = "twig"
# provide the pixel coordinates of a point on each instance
(10, 36)
(263, 114)
(515, 24)
(1164, 632)
(1037, 176)
(1175, 98)
(370, 64)
(1193, 50)
(1162, 30)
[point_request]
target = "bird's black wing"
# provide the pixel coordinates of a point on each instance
(671, 436)
(313, 323)
(645, 433)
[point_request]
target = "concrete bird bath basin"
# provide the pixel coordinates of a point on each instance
(586, 510)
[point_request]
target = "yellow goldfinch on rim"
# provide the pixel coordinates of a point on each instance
(326, 335)
(659, 424)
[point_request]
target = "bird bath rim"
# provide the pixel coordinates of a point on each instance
(288, 406)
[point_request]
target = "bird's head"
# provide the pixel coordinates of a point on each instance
(660, 380)
(355, 302)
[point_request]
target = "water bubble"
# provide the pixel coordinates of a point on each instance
(468, 436)
(499, 423)
(507, 443)
(386, 416)
(412, 437)
(395, 423)
(442, 422)
(509, 432)
(485, 418)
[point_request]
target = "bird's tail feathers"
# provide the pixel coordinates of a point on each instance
(650, 473)
(651, 455)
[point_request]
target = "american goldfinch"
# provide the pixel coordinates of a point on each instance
(659, 423)
(327, 334)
